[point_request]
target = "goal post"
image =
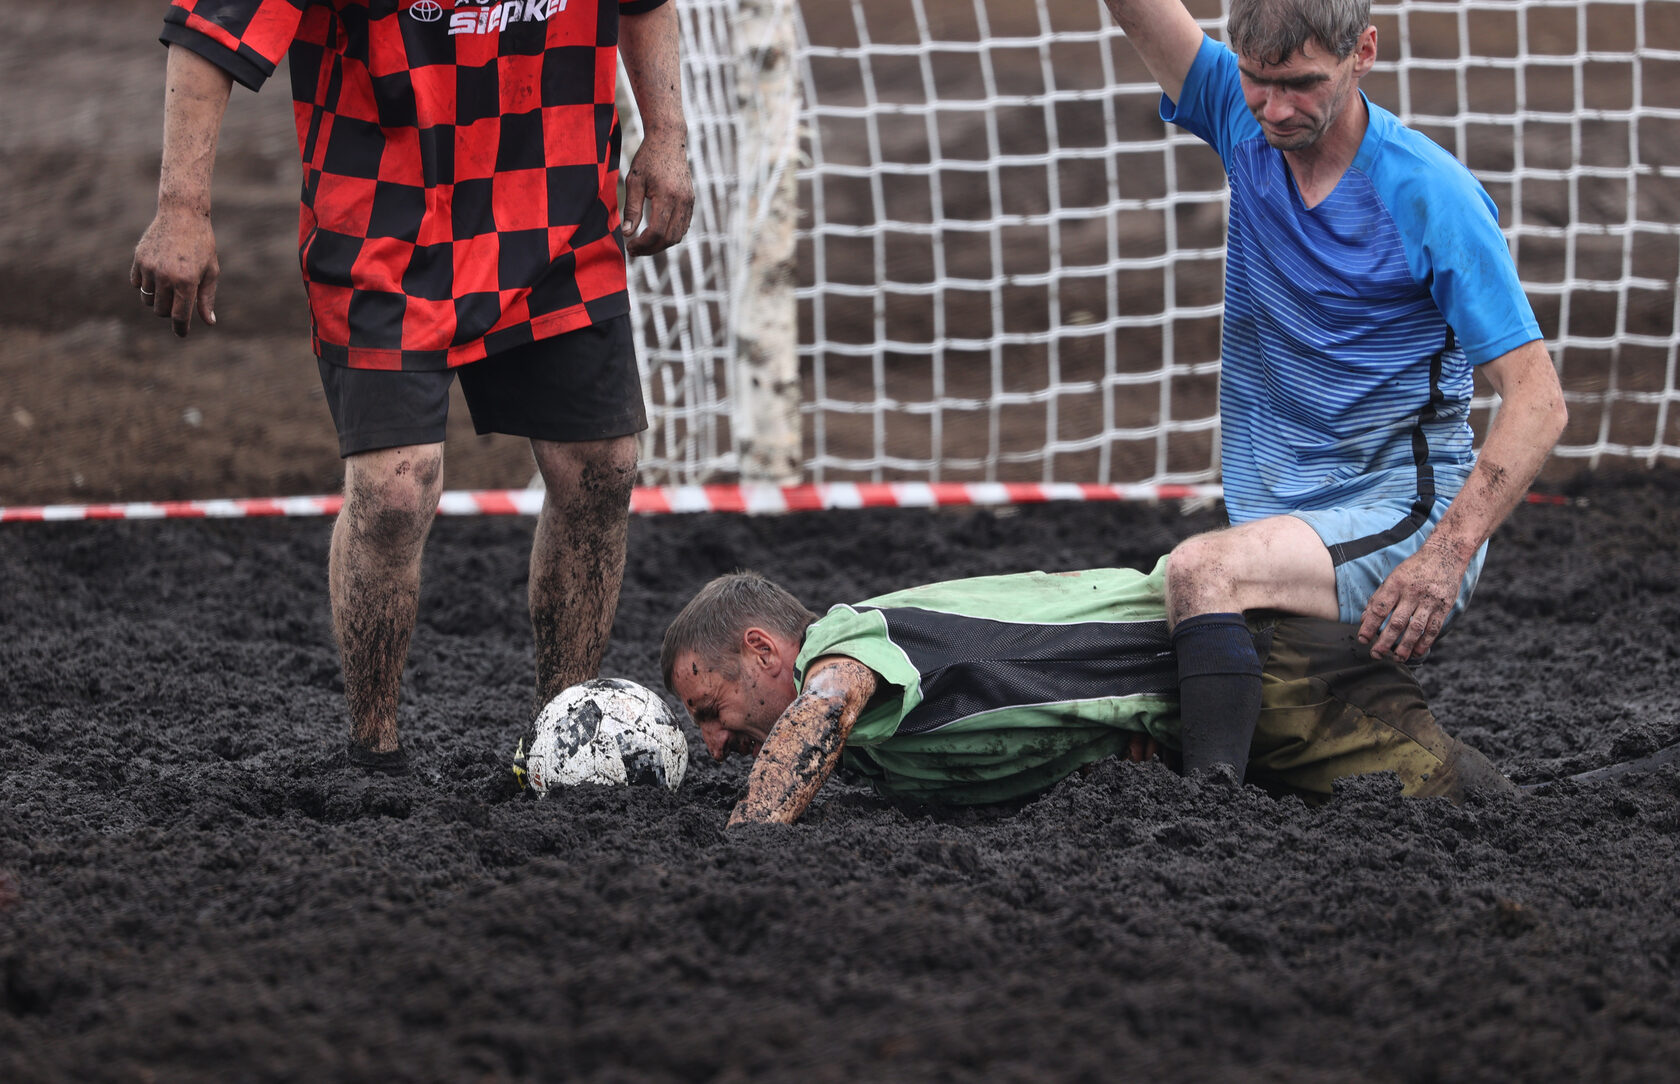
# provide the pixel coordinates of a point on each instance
(763, 314)
(951, 240)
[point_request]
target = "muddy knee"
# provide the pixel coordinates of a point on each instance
(390, 498)
(588, 478)
(1192, 576)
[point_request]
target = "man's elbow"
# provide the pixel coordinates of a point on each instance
(1559, 417)
(1551, 416)
(1538, 394)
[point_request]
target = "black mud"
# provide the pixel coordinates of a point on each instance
(192, 889)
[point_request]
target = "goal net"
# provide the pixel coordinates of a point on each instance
(951, 240)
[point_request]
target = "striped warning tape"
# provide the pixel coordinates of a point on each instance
(214, 509)
(655, 500)
(650, 500)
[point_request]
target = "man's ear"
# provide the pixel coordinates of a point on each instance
(760, 647)
(1365, 53)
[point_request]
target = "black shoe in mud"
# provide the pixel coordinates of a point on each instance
(394, 762)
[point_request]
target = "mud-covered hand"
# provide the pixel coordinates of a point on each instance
(1408, 611)
(658, 194)
(175, 268)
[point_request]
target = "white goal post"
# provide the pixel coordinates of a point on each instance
(951, 240)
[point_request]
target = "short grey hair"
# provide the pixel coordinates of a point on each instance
(714, 619)
(1272, 31)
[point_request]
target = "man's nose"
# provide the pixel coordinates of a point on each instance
(716, 739)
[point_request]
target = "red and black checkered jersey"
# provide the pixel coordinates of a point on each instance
(460, 164)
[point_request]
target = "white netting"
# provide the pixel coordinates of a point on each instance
(1009, 267)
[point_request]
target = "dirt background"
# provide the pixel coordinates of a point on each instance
(190, 890)
(98, 401)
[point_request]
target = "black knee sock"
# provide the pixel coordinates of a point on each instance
(1218, 690)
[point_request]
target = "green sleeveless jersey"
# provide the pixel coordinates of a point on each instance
(997, 687)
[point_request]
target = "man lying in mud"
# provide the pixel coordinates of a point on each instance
(993, 689)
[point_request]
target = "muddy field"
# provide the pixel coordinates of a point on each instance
(191, 888)
(194, 891)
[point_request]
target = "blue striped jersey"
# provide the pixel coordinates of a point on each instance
(1350, 328)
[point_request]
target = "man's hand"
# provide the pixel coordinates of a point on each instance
(1415, 601)
(175, 268)
(659, 184)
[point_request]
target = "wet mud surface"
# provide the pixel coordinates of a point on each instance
(191, 888)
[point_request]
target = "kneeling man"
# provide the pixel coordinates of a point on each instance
(995, 688)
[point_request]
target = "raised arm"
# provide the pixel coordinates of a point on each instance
(658, 190)
(1417, 596)
(175, 265)
(1165, 35)
(804, 746)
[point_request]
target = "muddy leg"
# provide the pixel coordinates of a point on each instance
(577, 556)
(373, 573)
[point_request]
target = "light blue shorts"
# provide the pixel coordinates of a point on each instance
(1366, 542)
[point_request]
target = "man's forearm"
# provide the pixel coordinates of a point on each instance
(793, 765)
(649, 45)
(195, 100)
(803, 748)
(1531, 417)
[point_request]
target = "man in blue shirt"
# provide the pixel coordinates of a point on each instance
(1366, 279)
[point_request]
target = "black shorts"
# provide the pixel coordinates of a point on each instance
(582, 385)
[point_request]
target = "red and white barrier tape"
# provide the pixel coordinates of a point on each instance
(650, 500)
(656, 500)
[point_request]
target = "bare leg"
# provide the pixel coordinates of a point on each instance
(1276, 563)
(390, 498)
(577, 556)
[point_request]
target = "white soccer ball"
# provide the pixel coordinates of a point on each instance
(604, 730)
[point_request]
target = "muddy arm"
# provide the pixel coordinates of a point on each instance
(1417, 597)
(804, 746)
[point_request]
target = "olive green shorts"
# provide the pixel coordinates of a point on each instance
(1329, 711)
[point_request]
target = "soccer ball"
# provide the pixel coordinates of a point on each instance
(604, 730)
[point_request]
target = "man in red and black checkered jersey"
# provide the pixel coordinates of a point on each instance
(459, 216)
